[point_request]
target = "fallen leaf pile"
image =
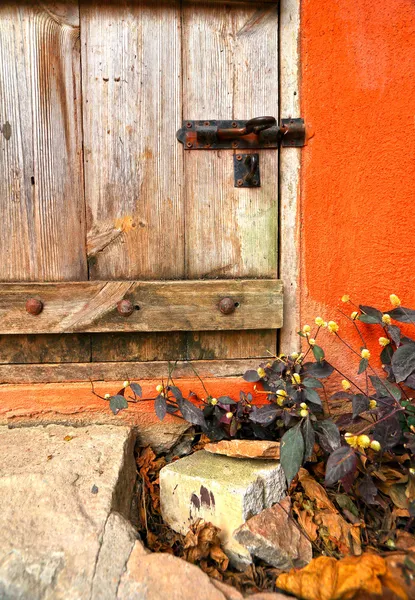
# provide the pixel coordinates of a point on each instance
(326, 578)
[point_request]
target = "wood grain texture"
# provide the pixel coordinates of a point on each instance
(230, 70)
(160, 306)
(41, 174)
(118, 371)
(133, 172)
(41, 179)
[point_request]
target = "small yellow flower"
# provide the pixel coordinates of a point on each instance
(412, 471)
(354, 315)
(295, 355)
(107, 396)
(351, 439)
(306, 329)
(296, 379)
(333, 327)
(282, 393)
(375, 445)
(345, 298)
(365, 353)
(261, 372)
(280, 401)
(303, 405)
(214, 401)
(373, 404)
(312, 341)
(303, 412)
(159, 388)
(229, 415)
(319, 321)
(126, 384)
(346, 385)
(386, 319)
(384, 341)
(394, 300)
(363, 441)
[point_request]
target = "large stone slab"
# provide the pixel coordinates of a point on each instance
(59, 489)
(222, 490)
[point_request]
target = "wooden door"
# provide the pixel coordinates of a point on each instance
(99, 201)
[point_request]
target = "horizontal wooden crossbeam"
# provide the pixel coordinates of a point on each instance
(91, 306)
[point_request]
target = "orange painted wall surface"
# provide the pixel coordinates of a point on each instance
(358, 169)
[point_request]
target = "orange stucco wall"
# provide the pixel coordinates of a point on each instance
(358, 169)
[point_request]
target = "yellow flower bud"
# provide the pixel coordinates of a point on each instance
(351, 439)
(345, 298)
(333, 327)
(375, 445)
(303, 405)
(412, 471)
(306, 329)
(384, 341)
(386, 319)
(365, 353)
(214, 401)
(312, 341)
(229, 415)
(363, 441)
(296, 379)
(159, 388)
(126, 384)
(373, 404)
(261, 372)
(280, 401)
(107, 396)
(354, 315)
(303, 412)
(282, 393)
(394, 300)
(295, 355)
(319, 321)
(346, 385)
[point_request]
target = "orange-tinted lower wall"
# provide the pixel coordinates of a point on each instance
(358, 169)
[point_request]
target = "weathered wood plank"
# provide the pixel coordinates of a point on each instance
(133, 172)
(130, 347)
(230, 63)
(119, 371)
(41, 174)
(91, 306)
(65, 348)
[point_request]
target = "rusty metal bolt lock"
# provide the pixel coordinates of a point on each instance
(227, 306)
(34, 306)
(125, 308)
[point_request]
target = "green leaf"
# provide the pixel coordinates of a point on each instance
(191, 413)
(345, 501)
(329, 435)
(371, 312)
(264, 414)
(383, 388)
(360, 403)
(395, 334)
(309, 438)
(251, 376)
(312, 396)
(320, 369)
(160, 406)
(363, 365)
(311, 382)
(369, 320)
(403, 362)
(402, 314)
(118, 403)
(292, 452)
(318, 353)
(226, 400)
(386, 355)
(340, 463)
(136, 388)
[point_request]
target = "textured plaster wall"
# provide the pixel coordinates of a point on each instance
(358, 169)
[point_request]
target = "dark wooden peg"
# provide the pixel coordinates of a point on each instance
(227, 306)
(34, 306)
(125, 308)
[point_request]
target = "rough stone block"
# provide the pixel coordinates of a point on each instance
(222, 490)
